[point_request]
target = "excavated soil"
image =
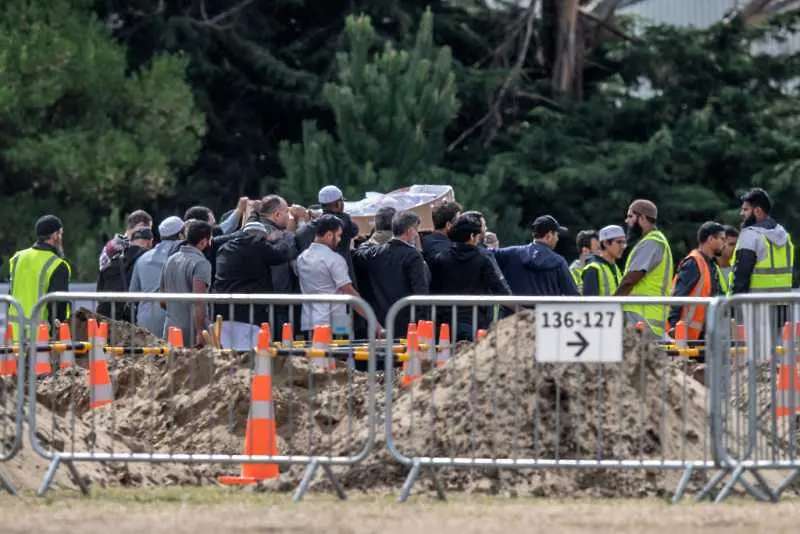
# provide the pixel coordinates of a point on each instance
(490, 400)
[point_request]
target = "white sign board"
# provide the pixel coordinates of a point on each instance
(567, 333)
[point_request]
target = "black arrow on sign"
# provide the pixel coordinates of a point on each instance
(581, 342)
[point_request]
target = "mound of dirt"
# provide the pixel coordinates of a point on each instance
(493, 401)
(490, 400)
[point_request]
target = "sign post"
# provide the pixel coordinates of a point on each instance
(580, 332)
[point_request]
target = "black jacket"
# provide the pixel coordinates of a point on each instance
(116, 277)
(463, 269)
(434, 244)
(391, 271)
(305, 236)
(244, 266)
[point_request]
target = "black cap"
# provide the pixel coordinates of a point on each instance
(47, 225)
(545, 224)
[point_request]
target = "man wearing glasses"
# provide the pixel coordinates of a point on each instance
(601, 276)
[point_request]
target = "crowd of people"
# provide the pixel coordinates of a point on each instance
(268, 246)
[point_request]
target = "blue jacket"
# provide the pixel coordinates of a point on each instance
(535, 270)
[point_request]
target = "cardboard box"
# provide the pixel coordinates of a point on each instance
(366, 221)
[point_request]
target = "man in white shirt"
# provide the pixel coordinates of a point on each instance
(323, 272)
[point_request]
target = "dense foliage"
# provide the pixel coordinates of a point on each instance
(114, 105)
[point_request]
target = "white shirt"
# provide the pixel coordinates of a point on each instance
(323, 272)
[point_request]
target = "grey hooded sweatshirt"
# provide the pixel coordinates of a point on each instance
(751, 248)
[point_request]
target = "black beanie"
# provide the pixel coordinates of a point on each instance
(47, 225)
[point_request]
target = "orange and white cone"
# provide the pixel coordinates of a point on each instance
(480, 334)
(412, 369)
(175, 337)
(67, 358)
(425, 336)
(8, 361)
(444, 345)
(261, 435)
(681, 335)
(321, 339)
(43, 366)
(101, 391)
(287, 336)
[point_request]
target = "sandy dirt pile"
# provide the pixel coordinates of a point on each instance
(489, 400)
(493, 401)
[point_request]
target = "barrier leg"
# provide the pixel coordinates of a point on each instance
(302, 488)
(709, 487)
(437, 485)
(682, 483)
(336, 484)
(409, 483)
(49, 475)
(6, 484)
(786, 483)
(77, 478)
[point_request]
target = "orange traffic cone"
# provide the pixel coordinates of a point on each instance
(425, 336)
(287, 336)
(681, 334)
(261, 436)
(322, 337)
(175, 337)
(101, 392)
(8, 360)
(444, 345)
(480, 334)
(67, 358)
(43, 366)
(412, 369)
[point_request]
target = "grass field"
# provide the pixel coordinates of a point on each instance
(213, 511)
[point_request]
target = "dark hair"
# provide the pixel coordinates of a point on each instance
(585, 237)
(403, 221)
(731, 231)
(201, 213)
(327, 223)
(464, 227)
(708, 230)
(444, 213)
(270, 204)
(383, 218)
(476, 214)
(138, 217)
(758, 198)
(197, 230)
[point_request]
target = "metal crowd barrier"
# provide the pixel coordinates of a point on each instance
(101, 377)
(638, 411)
(755, 343)
(12, 382)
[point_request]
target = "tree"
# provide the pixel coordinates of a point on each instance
(690, 120)
(391, 111)
(77, 127)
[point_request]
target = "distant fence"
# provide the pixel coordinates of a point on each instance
(560, 383)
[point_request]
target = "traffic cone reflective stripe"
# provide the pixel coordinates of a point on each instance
(100, 388)
(67, 358)
(261, 433)
(43, 366)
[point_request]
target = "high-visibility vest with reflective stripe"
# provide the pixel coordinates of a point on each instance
(694, 315)
(31, 270)
(724, 286)
(577, 277)
(655, 283)
(608, 277)
(773, 273)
